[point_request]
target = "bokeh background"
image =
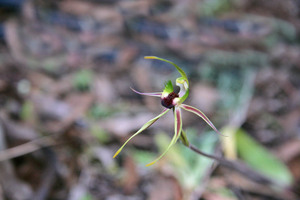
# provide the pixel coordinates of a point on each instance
(66, 68)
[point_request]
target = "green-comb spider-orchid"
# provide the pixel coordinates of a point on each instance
(171, 100)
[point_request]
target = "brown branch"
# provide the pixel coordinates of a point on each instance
(26, 148)
(238, 166)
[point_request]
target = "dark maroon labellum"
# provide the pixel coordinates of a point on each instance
(168, 101)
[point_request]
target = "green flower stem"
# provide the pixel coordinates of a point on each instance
(184, 139)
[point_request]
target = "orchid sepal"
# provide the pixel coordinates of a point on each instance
(145, 126)
(152, 94)
(200, 114)
(176, 66)
(177, 133)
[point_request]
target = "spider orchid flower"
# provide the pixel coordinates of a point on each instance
(171, 100)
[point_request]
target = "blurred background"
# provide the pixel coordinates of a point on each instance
(66, 68)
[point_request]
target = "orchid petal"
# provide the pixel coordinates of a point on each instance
(200, 114)
(152, 94)
(178, 129)
(145, 126)
(176, 66)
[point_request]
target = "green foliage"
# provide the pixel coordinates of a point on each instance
(99, 133)
(285, 29)
(174, 155)
(143, 157)
(27, 111)
(214, 7)
(99, 111)
(226, 59)
(87, 197)
(51, 65)
(233, 74)
(82, 79)
(282, 31)
(262, 160)
(189, 168)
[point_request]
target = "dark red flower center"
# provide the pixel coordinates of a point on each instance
(168, 101)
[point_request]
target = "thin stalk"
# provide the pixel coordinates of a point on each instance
(238, 166)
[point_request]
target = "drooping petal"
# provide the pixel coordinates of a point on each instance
(178, 128)
(152, 94)
(200, 114)
(177, 122)
(145, 126)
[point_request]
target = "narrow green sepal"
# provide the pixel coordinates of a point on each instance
(176, 66)
(178, 129)
(145, 126)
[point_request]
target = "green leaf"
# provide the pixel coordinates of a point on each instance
(27, 111)
(189, 168)
(86, 197)
(82, 80)
(229, 143)
(262, 160)
(174, 154)
(99, 133)
(198, 166)
(142, 156)
(214, 7)
(168, 87)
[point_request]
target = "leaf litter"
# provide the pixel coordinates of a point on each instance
(59, 60)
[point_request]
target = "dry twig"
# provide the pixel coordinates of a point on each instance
(26, 148)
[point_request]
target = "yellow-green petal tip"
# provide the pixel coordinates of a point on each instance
(149, 164)
(150, 57)
(117, 153)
